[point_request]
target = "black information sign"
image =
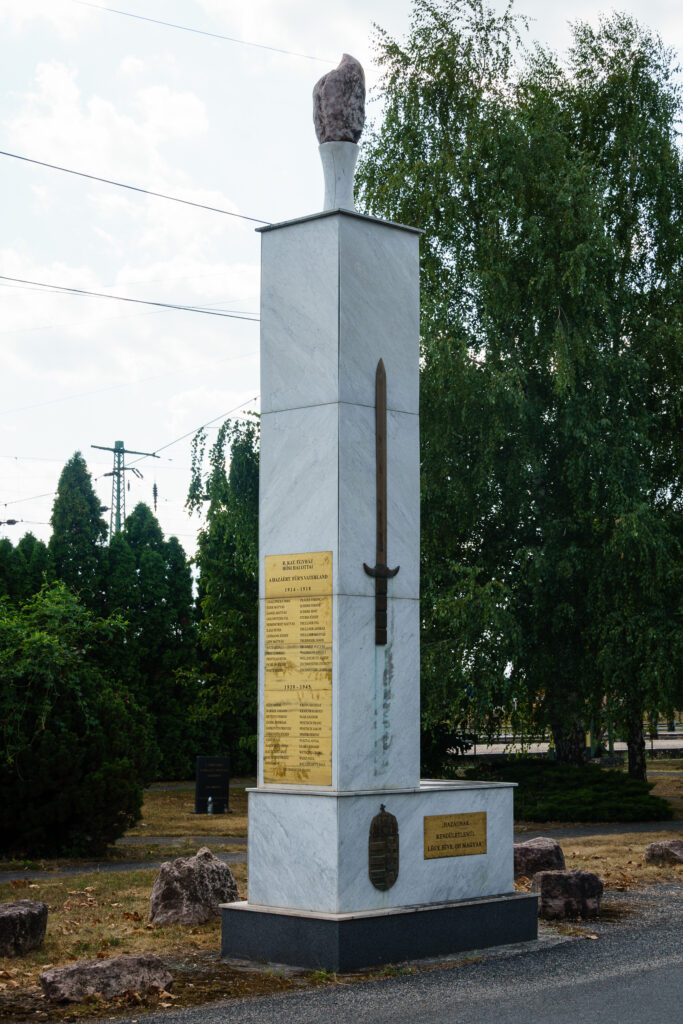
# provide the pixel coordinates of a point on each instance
(212, 780)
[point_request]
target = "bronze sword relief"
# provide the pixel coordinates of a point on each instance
(381, 572)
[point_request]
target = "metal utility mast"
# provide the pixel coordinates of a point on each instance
(118, 489)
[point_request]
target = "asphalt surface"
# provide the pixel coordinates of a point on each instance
(632, 973)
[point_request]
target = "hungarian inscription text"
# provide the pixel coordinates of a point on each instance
(454, 835)
(297, 746)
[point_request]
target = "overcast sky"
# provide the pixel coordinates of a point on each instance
(212, 121)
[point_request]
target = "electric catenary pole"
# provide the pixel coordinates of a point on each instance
(118, 489)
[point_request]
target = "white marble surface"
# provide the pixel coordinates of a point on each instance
(379, 313)
(339, 163)
(376, 719)
(298, 494)
(337, 294)
(300, 315)
(358, 501)
(318, 861)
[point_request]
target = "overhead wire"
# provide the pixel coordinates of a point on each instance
(51, 494)
(202, 32)
(191, 432)
(123, 298)
(131, 188)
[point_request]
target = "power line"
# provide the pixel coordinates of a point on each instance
(202, 32)
(132, 188)
(123, 298)
(51, 494)
(191, 432)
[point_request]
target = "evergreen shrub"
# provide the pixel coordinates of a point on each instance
(556, 792)
(75, 749)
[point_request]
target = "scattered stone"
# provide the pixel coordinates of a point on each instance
(538, 854)
(189, 890)
(568, 894)
(22, 926)
(668, 852)
(339, 103)
(108, 978)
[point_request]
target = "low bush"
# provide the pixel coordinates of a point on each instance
(555, 792)
(75, 750)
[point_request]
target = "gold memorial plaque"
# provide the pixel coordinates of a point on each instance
(454, 835)
(297, 747)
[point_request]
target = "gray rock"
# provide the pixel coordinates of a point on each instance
(189, 890)
(22, 926)
(668, 852)
(539, 854)
(339, 103)
(568, 894)
(108, 978)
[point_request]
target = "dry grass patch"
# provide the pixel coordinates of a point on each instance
(183, 846)
(97, 915)
(671, 789)
(169, 812)
(618, 859)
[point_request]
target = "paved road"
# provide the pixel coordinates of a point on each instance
(631, 974)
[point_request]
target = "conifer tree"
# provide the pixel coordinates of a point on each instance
(78, 533)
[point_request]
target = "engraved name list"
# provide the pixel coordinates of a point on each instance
(298, 669)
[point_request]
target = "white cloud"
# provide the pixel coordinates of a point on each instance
(55, 122)
(171, 115)
(62, 15)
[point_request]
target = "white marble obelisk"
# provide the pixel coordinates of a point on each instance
(339, 713)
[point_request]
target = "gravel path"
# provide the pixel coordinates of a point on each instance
(622, 971)
(108, 867)
(609, 828)
(240, 855)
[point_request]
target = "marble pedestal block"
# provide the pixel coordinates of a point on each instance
(311, 901)
(309, 851)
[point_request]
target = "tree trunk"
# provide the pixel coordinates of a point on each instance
(635, 742)
(570, 742)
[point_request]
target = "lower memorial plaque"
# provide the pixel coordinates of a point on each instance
(454, 835)
(297, 737)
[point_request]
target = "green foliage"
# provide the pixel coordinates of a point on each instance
(554, 792)
(78, 533)
(147, 580)
(75, 749)
(24, 568)
(227, 559)
(552, 316)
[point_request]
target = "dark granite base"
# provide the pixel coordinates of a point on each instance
(345, 942)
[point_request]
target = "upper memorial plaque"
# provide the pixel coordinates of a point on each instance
(339, 103)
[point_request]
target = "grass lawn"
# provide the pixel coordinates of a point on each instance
(169, 812)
